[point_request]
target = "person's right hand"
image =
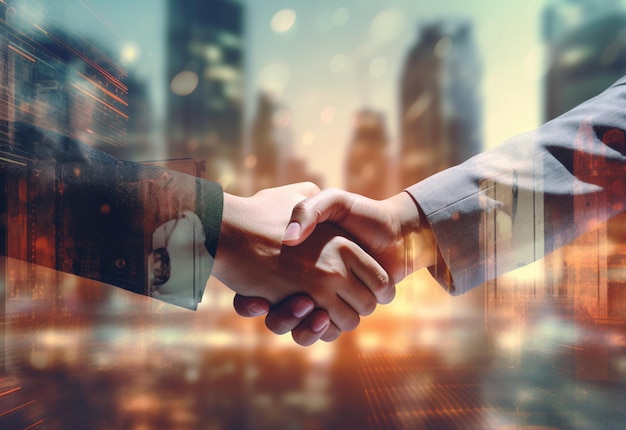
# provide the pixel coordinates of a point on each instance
(390, 230)
(385, 228)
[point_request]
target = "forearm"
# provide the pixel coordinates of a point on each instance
(99, 216)
(515, 203)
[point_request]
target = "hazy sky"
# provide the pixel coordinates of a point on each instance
(325, 59)
(370, 40)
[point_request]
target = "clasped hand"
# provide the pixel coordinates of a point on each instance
(316, 261)
(333, 271)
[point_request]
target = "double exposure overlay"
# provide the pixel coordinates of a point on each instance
(366, 96)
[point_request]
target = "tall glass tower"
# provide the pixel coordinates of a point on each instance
(439, 100)
(587, 53)
(205, 77)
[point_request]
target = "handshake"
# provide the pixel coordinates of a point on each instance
(315, 261)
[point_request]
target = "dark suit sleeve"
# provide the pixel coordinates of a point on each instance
(517, 202)
(91, 215)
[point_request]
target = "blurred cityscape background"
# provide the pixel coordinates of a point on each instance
(361, 95)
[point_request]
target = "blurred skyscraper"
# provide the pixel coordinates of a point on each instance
(55, 80)
(140, 124)
(367, 170)
(440, 127)
(205, 76)
(263, 160)
(586, 40)
(271, 160)
(61, 82)
(587, 45)
(440, 108)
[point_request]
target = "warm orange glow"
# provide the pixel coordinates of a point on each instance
(538, 347)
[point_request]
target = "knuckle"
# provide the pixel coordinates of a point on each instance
(386, 291)
(382, 281)
(344, 245)
(311, 187)
(336, 193)
(368, 307)
(299, 210)
(351, 322)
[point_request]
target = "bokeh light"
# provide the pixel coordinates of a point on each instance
(340, 17)
(130, 52)
(184, 83)
(308, 138)
(283, 20)
(337, 63)
(387, 25)
(274, 77)
(378, 67)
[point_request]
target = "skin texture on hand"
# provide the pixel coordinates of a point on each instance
(385, 228)
(389, 230)
(337, 274)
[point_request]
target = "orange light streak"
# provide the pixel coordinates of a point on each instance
(109, 93)
(28, 57)
(35, 425)
(13, 390)
(17, 408)
(96, 66)
(99, 100)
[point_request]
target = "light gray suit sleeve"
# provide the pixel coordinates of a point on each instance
(521, 200)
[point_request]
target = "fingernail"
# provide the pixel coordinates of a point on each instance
(319, 323)
(302, 308)
(292, 232)
(257, 310)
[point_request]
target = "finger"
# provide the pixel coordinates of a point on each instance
(250, 306)
(327, 205)
(341, 314)
(312, 328)
(368, 283)
(369, 274)
(331, 333)
(286, 315)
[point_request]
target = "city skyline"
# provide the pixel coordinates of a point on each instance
(354, 52)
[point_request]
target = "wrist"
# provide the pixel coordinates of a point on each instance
(409, 217)
(248, 246)
(229, 232)
(420, 247)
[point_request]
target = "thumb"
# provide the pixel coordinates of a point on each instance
(307, 189)
(328, 205)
